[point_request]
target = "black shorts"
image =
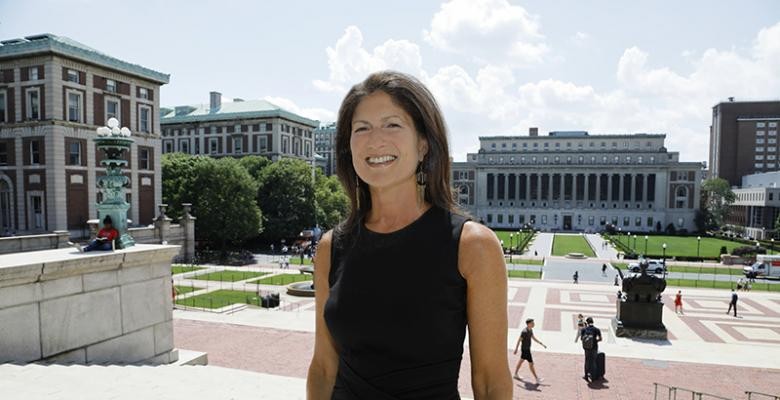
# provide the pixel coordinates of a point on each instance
(526, 355)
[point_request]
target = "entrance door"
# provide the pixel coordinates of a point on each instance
(567, 222)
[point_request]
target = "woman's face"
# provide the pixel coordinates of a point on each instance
(385, 145)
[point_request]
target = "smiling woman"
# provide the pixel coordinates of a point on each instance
(381, 334)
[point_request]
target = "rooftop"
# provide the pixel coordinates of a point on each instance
(230, 110)
(64, 46)
(577, 135)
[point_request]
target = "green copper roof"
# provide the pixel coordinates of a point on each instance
(230, 110)
(48, 43)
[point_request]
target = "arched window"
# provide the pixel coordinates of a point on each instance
(681, 197)
(463, 195)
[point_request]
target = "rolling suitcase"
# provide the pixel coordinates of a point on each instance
(600, 366)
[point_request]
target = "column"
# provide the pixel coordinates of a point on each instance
(585, 196)
(550, 187)
(633, 187)
(598, 187)
(574, 189)
(609, 187)
(621, 187)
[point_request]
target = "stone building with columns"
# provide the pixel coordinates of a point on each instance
(54, 92)
(574, 181)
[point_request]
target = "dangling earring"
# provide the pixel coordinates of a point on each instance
(421, 182)
(357, 192)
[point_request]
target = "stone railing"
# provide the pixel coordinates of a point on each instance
(62, 306)
(161, 232)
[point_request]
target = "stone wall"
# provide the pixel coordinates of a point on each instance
(62, 306)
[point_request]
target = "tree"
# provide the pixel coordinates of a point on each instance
(222, 194)
(332, 202)
(254, 165)
(719, 198)
(286, 198)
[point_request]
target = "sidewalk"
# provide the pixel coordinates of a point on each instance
(541, 245)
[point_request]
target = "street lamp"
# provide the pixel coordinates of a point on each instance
(628, 240)
(635, 242)
(698, 246)
(511, 236)
(645, 245)
(620, 232)
(772, 249)
(664, 259)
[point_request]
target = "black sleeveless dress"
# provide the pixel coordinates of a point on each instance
(397, 310)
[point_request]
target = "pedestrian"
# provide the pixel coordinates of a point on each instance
(590, 337)
(272, 248)
(678, 302)
(739, 284)
(733, 302)
(525, 350)
(580, 325)
(617, 281)
(535, 253)
(604, 269)
(576, 276)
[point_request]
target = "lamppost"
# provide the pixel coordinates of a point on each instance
(664, 259)
(628, 240)
(511, 238)
(635, 242)
(698, 246)
(772, 248)
(645, 245)
(620, 232)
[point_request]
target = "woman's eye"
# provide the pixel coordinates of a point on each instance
(360, 129)
(393, 125)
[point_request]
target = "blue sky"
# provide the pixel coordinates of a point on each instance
(496, 66)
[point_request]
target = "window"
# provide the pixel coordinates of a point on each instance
(770, 157)
(500, 218)
(760, 124)
(772, 141)
(33, 104)
(759, 140)
(591, 220)
(639, 159)
(3, 117)
(143, 119)
(35, 152)
(760, 149)
(36, 211)
(773, 124)
(3, 153)
(74, 106)
(73, 76)
(286, 144)
(626, 221)
(238, 143)
(143, 93)
(112, 109)
(638, 221)
(771, 149)
(759, 157)
(649, 221)
(74, 153)
(489, 218)
(168, 146)
(263, 143)
(111, 85)
(213, 145)
(33, 73)
(184, 146)
(143, 158)
(772, 133)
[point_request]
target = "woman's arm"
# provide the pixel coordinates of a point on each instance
(324, 363)
(481, 263)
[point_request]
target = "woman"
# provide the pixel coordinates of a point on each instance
(398, 281)
(678, 302)
(580, 325)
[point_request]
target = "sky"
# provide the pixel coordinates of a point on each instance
(496, 67)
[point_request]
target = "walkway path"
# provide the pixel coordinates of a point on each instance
(541, 245)
(602, 247)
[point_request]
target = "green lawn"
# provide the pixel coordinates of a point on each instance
(180, 269)
(296, 260)
(524, 274)
(564, 244)
(283, 279)
(219, 298)
(513, 240)
(681, 246)
(758, 285)
(185, 289)
(693, 269)
(230, 276)
(524, 261)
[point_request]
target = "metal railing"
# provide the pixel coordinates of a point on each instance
(761, 396)
(675, 393)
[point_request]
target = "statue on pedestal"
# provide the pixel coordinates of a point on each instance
(640, 309)
(114, 142)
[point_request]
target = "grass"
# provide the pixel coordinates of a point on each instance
(693, 269)
(230, 276)
(524, 261)
(678, 246)
(513, 240)
(709, 284)
(185, 289)
(180, 269)
(565, 244)
(283, 279)
(296, 260)
(524, 274)
(220, 298)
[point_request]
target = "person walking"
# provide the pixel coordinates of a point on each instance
(617, 281)
(590, 337)
(580, 325)
(604, 270)
(576, 276)
(525, 349)
(678, 302)
(733, 302)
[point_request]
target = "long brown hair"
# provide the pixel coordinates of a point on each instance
(417, 101)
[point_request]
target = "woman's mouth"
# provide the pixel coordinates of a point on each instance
(379, 161)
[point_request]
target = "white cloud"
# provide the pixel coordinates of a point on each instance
(488, 30)
(319, 114)
(580, 39)
(350, 63)
(645, 97)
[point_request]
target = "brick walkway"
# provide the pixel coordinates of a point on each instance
(287, 353)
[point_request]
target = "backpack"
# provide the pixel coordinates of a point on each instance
(588, 340)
